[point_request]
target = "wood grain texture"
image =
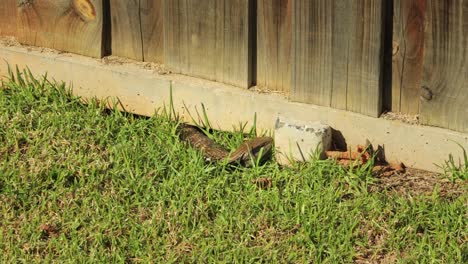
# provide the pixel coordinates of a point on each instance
(126, 29)
(408, 54)
(8, 18)
(446, 65)
(66, 25)
(274, 19)
(209, 39)
(152, 30)
(137, 29)
(337, 54)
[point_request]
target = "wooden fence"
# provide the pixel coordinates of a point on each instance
(365, 56)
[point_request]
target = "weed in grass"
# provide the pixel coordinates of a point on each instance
(84, 184)
(455, 171)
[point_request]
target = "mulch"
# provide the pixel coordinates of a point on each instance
(396, 178)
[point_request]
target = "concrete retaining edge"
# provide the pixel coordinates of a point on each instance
(142, 91)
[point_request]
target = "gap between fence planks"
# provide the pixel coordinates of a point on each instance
(445, 75)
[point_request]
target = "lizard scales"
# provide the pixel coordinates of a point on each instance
(257, 148)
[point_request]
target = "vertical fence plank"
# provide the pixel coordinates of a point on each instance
(137, 29)
(312, 55)
(175, 34)
(445, 76)
(66, 25)
(365, 84)
(274, 44)
(8, 18)
(126, 29)
(340, 48)
(337, 54)
(209, 39)
(408, 47)
(152, 30)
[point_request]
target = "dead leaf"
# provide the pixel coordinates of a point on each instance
(49, 230)
(263, 183)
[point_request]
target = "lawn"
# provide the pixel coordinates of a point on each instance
(79, 183)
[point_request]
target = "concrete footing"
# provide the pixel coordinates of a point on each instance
(297, 140)
(142, 91)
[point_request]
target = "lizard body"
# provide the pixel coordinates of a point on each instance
(253, 149)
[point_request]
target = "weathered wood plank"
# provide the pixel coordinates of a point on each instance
(137, 29)
(209, 39)
(312, 55)
(66, 25)
(408, 47)
(337, 54)
(175, 36)
(274, 44)
(8, 18)
(445, 72)
(152, 30)
(365, 85)
(340, 52)
(126, 29)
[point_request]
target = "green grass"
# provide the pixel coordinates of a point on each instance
(456, 170)
(79, 183)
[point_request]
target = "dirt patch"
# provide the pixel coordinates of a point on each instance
(49, 231)
(152, 66)
(263, 183)
(266, 90)
(405, 118)
(411, 183)
(109, 60)
(418, 182)
(13, 42)
(9, 41)
(396, 177)
(376, 251)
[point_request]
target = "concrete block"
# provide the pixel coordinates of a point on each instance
(299, 140)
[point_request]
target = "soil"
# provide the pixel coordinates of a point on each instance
(405, 118)
(266, 90)
(9, 41)
(411, 183)
(155, 67)
(108, 60)
(13, 42)
(415, 182)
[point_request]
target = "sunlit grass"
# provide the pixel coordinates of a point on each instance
(456, 170)
(84, 184)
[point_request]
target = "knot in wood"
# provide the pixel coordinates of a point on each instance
(395, 48)
(25, 3)
(85, 9)
(426, 93)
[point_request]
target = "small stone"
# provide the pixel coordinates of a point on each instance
(298, 140)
